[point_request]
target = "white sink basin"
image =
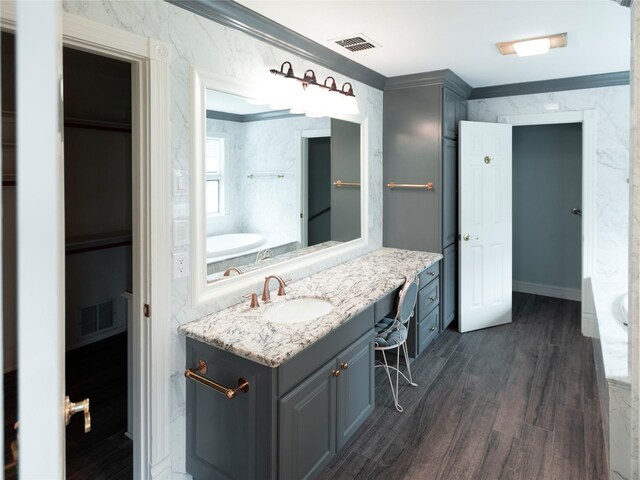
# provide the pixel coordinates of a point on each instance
(297, 310)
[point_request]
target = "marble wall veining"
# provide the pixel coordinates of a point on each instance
(612, 156)
(222, 51)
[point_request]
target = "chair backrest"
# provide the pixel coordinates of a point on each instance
(407, 299)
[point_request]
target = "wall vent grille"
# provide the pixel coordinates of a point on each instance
(96, 318)
(356, 43)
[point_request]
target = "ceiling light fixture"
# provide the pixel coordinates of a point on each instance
(533, 46)
(315, 96)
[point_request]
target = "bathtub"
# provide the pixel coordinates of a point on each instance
(221, 245)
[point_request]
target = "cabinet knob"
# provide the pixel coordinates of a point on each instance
(432, 298)
(431, 274)
(344, 366)
(336, 373)
(432, 329)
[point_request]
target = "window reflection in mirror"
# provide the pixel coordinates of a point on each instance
(277, 185)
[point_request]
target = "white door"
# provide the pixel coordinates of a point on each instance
(40, 234)
(485, 225)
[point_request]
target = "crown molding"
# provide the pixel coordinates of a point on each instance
(239, 17)
(251, 117)
(445, 77)
(555, 85)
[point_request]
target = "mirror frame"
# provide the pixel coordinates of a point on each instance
(202, 291)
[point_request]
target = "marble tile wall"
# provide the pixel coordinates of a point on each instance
(255, 148)
(612, 150)
(227, 52)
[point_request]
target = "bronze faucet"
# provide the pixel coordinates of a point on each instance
(232, 269)
(266, 297)
(254, 300)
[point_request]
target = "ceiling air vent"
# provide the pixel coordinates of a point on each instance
(356, 43)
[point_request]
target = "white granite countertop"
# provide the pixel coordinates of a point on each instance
(350, 287)
(614, 336)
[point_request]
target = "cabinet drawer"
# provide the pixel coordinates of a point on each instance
(428, 298)
(428, 274)
(428, 329)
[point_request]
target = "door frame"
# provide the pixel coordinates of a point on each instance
(588, 119)
(151, 223)
(305, 135)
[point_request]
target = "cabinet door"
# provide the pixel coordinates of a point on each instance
(449, 192)
(228, 438)
(307, 426)
(449, 284)
(461, 111)
(412, 155)
(449, 118)
(356, 398)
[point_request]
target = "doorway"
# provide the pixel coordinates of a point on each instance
(547, 199)
(98, 260)
(586, 119)
(318, 181)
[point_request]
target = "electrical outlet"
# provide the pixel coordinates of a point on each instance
(180, 264)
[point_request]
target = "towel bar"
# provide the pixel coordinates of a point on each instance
(340, 183)
(230, 393)
(426, 186)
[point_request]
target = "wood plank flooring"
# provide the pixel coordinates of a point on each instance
(515, 402)
(97, 371)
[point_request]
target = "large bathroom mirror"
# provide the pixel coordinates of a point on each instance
(270, 185)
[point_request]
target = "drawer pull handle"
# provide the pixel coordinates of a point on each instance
(230, 393)
(432, 329)
(344, 366)
(336, 373)
(432, 298)
(431, 274)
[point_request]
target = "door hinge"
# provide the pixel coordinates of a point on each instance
(147, 310)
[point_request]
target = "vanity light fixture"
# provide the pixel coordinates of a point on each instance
(533, 46)
(315, 96)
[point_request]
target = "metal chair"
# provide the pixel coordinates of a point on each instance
(391, 333)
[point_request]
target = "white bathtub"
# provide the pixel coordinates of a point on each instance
(220, 245)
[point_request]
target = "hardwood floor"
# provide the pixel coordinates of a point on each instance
(97, 371)
(514, 402)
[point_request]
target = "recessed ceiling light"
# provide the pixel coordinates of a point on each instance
(533, 46)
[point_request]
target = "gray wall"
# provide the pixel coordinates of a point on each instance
(547, 172)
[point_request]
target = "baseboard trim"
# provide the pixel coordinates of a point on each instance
(548, 290)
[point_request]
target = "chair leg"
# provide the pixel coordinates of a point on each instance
(398, 407)
(394, 392)
(406, 360)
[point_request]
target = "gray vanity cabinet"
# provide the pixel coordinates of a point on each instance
(319, 416)
(307, 427)
(293, 419)
(356, 386)
(421, 116)
(222, 434)
(425, 324)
